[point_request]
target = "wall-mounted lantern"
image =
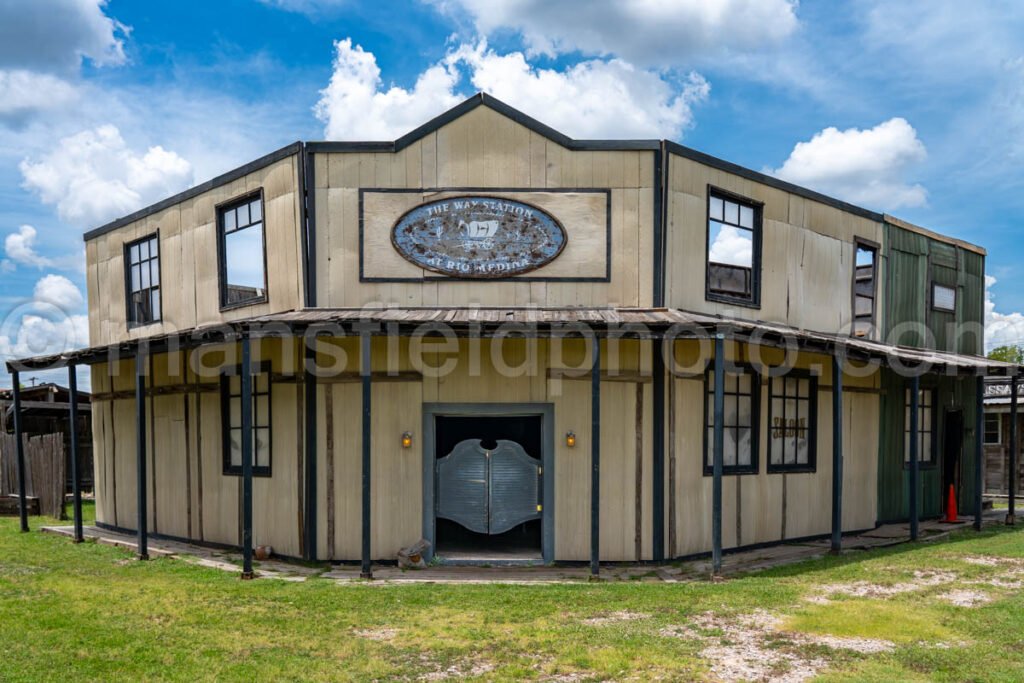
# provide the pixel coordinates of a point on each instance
(406, 439)
(570, 439)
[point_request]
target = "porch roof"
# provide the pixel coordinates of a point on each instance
(648, 323)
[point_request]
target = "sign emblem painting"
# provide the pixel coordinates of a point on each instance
(478, 237)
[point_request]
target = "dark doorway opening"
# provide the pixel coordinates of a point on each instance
(952, 450)
(454, 541)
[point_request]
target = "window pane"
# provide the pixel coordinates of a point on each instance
(729, 452)
(261, 416)
(244, 265)
(243, 215)
(865, 257)
(154, 247)
(863, 306)
(235, 444)
(731, 417)
(715, 208)
(261, 447)
(144, 283)
(803, 387)
(256, 211)
(730, 245)
(802, 449)
(136, 279)
(747, 217)
(235, 413)
(709, 457)
(155, 303)
(229, 220)
(944, 298)
(155, 276)
(732, 213)
(744, 452)
(144, 250)
(134, 254)
(788, 446)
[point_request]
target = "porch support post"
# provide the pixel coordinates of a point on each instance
(915, 389)
(837, 455)
(658, 444)
(718, 449)
(76, 489)
(595, 458)
(310, 402)
(979, 451)
(140, 455)
(246, 408)
(19, 450)
(366, 570)
(1011, 484)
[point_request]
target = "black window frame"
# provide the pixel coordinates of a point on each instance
(932, 405)
(754, 301)
(755, 419)
(860, 243)
(999, 429)
(956, 297)
(812, 421)
(222, 270)
(260, 368)
(130, 317)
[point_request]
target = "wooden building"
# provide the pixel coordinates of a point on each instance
(45, 410)
(1002, 450)
(522, 346)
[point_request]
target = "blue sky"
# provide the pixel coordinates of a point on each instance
(915, 108)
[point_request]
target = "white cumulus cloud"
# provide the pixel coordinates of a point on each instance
(24, 92)
(1001, 329)
(661, 32)
(20, 248)
(593, 98)
(866, 167)
(93, 176)
(59, 291)
(59, 34)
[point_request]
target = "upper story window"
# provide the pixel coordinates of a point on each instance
(865, 278)
(142, 280)
(943, 298)
(793, 423)
(243, 258)
(734, 250)
(740, 423)
(925, 427)
(231, 421)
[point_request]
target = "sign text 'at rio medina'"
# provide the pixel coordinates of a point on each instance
(478, 237)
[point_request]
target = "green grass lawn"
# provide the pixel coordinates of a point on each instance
(91, 612)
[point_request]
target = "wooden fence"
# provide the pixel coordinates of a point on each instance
(45, 464)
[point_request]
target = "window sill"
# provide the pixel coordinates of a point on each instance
(244, 304)
(921, 465)
(801, 469)
(726, 472)
(261, 472)
(736, 301)
(139, 326)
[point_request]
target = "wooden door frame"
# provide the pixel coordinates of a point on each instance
(546, 411)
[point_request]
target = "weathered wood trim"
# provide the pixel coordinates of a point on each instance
(188, 465)
(300, 456)
(672, 467)
(584, 374)
(199, 458)
(639, 457)
(329, 454)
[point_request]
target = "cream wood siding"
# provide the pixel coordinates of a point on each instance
(191, 497)
(807, 254)
(763, 507)
(485, 149)
(188, 259)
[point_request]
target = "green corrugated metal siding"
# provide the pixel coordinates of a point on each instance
(913, 261)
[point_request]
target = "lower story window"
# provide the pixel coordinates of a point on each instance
(793, 423)
(740, 422)
(231, 421)
(925, 427)
(993, 429)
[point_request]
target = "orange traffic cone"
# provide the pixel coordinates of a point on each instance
(951, 515)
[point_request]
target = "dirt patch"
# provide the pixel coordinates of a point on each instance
(753, 647)
(866, 589)
(615, 618)
(963, 597)
(992, 561)
(381, 634)
(465, 669)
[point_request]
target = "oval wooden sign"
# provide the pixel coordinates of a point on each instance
(478, 237)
